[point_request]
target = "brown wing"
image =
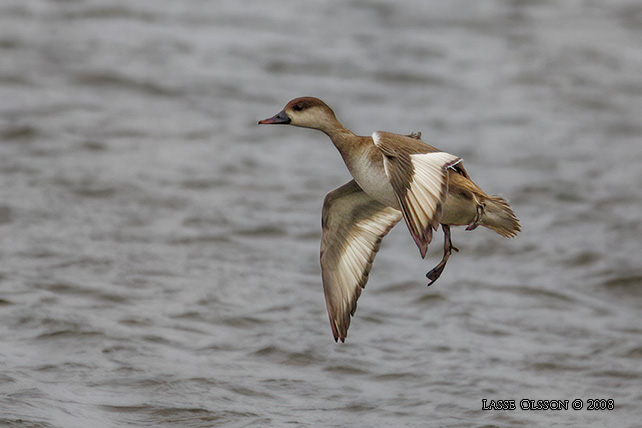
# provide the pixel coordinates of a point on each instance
(419, 179)
(353, 226)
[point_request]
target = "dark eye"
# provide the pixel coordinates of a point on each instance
(298, 107)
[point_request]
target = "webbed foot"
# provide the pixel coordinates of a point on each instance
(435, 273)
(478, 217)
(415, 135)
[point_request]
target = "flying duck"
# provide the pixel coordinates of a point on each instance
(394, 176)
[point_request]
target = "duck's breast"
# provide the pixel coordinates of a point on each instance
(369, 173)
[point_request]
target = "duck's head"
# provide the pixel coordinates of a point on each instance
(306, 112)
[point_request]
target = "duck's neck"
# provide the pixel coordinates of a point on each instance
(342, 138)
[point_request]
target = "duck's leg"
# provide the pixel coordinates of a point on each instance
(435, 273)
(478, 216)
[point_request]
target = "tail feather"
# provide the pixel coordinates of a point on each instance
(499, 216)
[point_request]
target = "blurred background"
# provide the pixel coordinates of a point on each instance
(159, 251)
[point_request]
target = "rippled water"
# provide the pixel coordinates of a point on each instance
(160, 251)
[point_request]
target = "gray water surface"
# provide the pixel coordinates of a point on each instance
(159, 251)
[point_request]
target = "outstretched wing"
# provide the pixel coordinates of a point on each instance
(418, 174)
(353, 226)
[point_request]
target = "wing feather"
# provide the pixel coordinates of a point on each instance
(354, 225)
(419, 176)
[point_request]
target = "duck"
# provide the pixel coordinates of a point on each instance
(394, 176)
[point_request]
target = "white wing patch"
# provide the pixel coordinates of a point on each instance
(348, 273)
(428, 187)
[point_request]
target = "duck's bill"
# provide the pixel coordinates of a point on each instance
(280, 118)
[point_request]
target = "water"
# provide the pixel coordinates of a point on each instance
(160, 251)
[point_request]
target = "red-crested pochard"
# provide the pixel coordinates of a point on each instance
(395, 176)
